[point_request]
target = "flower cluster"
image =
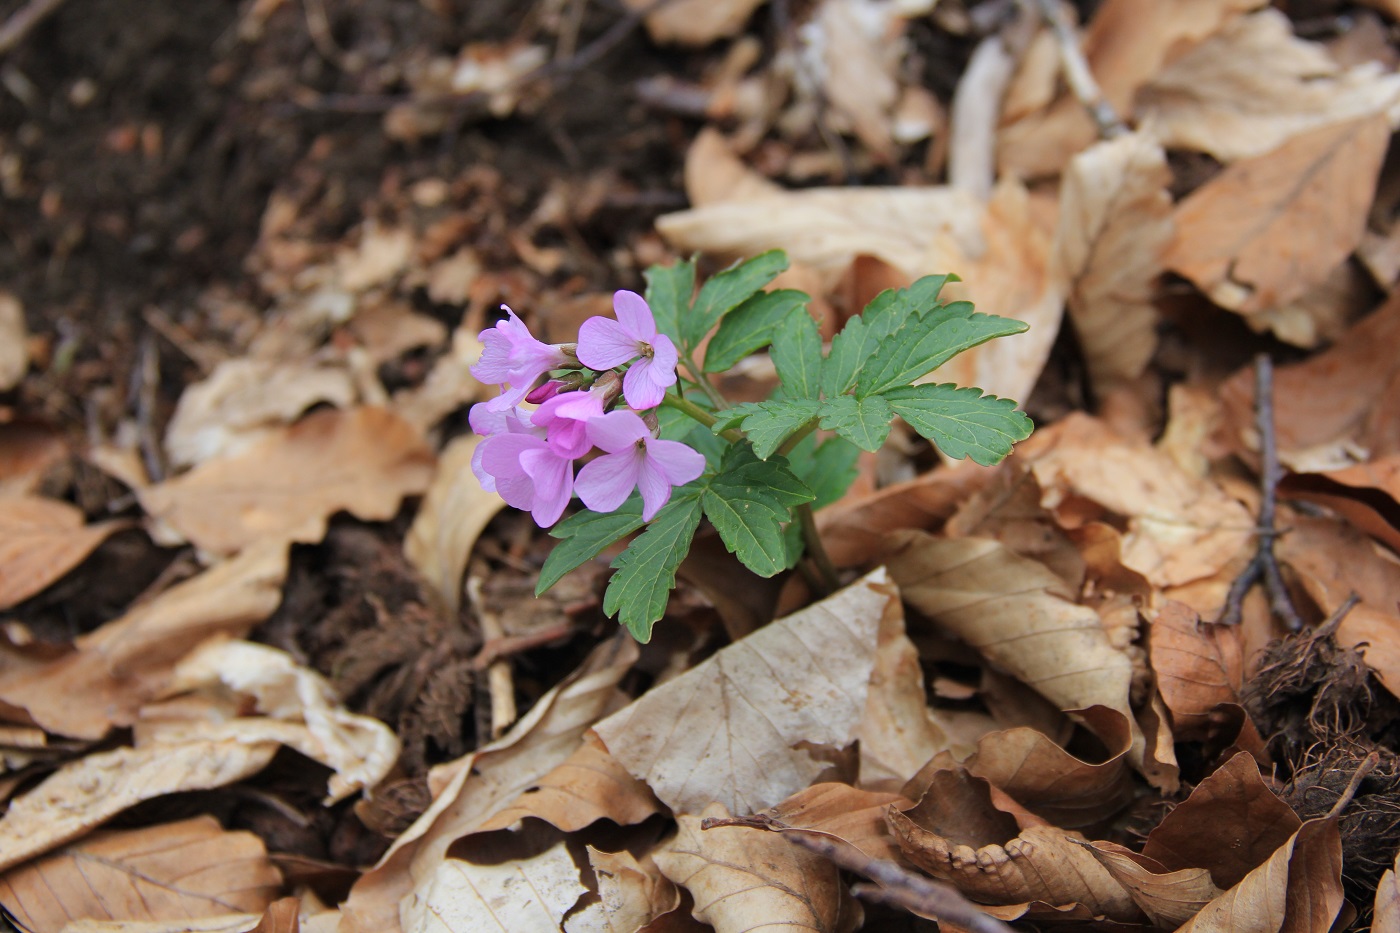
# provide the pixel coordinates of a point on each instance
(528, 455)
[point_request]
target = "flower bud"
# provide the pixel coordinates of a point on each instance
(544, 393)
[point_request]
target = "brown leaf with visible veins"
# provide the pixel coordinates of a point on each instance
(630, 895)
(40, 541)
(746, 880)
(848, 814)
(1387, 915)
(1168, 898)
(281, 916)
(188, 869)
(1198, 665)
(523, 893)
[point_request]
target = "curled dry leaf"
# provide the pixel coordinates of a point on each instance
(1268, 228)
(453, 514)
(287, 485)
(1198, 666)
(40, 541)
(630, 895)
(1114, 227)
(1018, 614)
(530, 893)
(746, 880)
(281, 916)
(14, 342)
(188, 869)
(844, 813)
(1168, 898)
(739, 728)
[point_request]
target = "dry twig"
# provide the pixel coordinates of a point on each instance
(1077, 74)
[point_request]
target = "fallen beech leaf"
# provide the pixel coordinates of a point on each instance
(14, 342)
(854, 52)
(1018, 614)
(1268, 228)
(738, 729)
(521, 894)
(471, 790)
(590, 786)
(188, 869)
(28, 451)
(381, 254)
(845, 813)
(1297, 890)
(223, 923)
(452, 516)
(1229, 825)
(1254, 84)
(281, 916)
(695, 22)
(630, 895)
(745, 879)
(1198, 666)
(1387, 911)
(125, 662)
(244, 400)
(40, 541)
(1114, 227)
(1168, 898)
(287, 485)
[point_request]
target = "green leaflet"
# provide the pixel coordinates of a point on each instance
(768, 424)
(961, 421)
(668, 295)
(583, 536)
(864, 422)
(749, 327)
(900, 360)
(726, 291)
(646, 571)
(887, 313)
(749, 502)
(797, 355)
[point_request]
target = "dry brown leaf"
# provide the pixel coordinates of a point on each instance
(1253, 85)
(469, 791)
(1229, 825)
(286, 486)
(188, 869)
(1114, 227)
(630, 895)
(244, 400)
(1387, 916)
(1297, 890)
(281, 916)
(846, 814)
(743, 728)
(14, 342)
(452, 516)
(389, 328)
(695, 22)
(590, 786)
(448, 387)
(1168, 898)
(40, 541)
(382, 253)
(746, 880)
(713, 173)
(521, 894)
(1269, 228)
(1198, 666)
(1018, 614)
(854, 49)
(28, 451)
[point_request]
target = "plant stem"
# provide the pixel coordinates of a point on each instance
(698, 376)
(684, 405)
(826, 571)
(796, 438)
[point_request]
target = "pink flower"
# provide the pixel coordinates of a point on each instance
(565, 418)
(513, 358)
(529, 475)
(634, 460)
(488, 421)
(603, 344)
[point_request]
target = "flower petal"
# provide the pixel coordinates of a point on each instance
(604, 343)
(605, 483)
(634, 314)
(656, 490)
(679, 463)
(645, 384)
(554, 484)
(617, 431)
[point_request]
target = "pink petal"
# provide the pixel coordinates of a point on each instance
(679, 463)
(617, 431)
(656, 491)
(645, 384)
(634, 314)
(604, 343)
(554, 481)
(605, 483)
(664, 355)
(568, 438)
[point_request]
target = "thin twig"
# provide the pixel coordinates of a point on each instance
(1077, 74)
(903, 888)
(22, 22)
(1367, 765)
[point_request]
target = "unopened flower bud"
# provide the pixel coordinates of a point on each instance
(545, 392)
(652, 422)
(611, 385)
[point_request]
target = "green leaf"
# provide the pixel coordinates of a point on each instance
(828, 470)
(797, 355)
(768, 424)
(646, 571)
(726, 291)
(749, 327)
(887, 313)
(864, 422)
(583, 536)
(899, 360)
(748, 503)
(668, 294)
(962, 422)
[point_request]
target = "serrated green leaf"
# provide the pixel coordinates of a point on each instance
(887, 313)
(748, 504)
(768, 424)
(668, 294)
(583, 536)
(646, 571)
(962, 421)
(726, 291)
(749, 327)
(900, 360)
(742, 466)
(864, 422)
(797, 355)
(827, 468)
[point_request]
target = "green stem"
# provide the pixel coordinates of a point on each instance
(796, 438)
(684, 405)
(826, 571)
(698, 376)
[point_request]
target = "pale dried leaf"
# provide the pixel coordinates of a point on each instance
(738, 729)
(630, 895)
(188, 869)
(521, 894)
(388, 329)
(713, 173)
(286, 486)
(281, 916)
(1270, 227)
(1168, 898)
(748, 881)
(40, 541)
(695, 22)
(381, 254)
(14, 342)
(243, 400)
(854, 50)
(844, 813)
(223, 923)
(452, 516)
(1387, 915)
(1114, 226)
(1254, 85)
(1198, 666)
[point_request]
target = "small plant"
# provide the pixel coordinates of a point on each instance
(637, 389)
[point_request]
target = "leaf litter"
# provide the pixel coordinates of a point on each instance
(270, 659)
